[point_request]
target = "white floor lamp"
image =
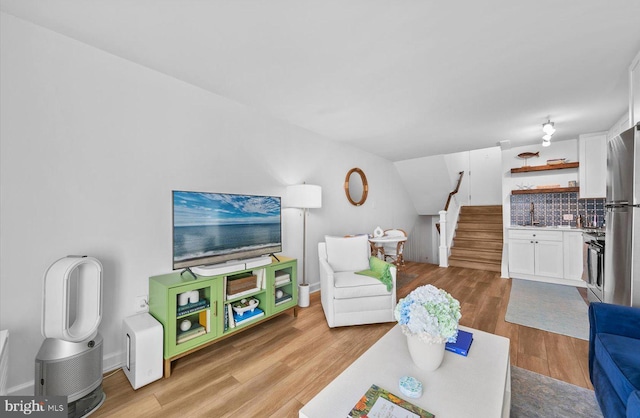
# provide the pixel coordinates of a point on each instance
(305, 197)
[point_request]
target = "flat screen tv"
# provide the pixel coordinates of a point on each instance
(213, 228)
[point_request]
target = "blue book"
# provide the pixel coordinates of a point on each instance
(193, 307)
(247, 316)
(462, 344)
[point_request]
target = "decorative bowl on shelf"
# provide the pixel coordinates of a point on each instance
(245, 305)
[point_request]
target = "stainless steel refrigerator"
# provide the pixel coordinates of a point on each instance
(622, 235)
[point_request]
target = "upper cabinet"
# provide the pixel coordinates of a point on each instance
(634, 93)
(592, 174)
(620, 126)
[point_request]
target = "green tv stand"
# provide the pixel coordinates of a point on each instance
(191, 324)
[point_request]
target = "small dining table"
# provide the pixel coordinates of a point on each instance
(377, 244)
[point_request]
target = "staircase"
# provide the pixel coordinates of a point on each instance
(478, 240)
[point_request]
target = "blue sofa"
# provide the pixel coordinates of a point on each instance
(614, 358)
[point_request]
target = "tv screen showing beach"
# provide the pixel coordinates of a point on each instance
(211, 228)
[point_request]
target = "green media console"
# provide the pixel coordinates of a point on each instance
(198, 311)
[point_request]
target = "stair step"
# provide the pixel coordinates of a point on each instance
(473, 244)
(476, 254)
(489, 209)
(479, 235)
(477, 243)
(480, 218)
(475, 265)
(479, 226)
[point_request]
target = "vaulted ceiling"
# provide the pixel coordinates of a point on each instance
(402, 79)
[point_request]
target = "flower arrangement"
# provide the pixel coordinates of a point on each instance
(429, 313)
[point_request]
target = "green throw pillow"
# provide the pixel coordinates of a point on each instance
(379, 269)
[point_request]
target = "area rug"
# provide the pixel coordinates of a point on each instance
(535, 395)
(549, 307)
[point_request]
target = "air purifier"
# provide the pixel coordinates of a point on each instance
(69, 362)
(143, 347)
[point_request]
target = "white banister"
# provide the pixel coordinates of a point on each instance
(443, 248)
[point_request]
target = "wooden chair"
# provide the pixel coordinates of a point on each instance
(393, 252)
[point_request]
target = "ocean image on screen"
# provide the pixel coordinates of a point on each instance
(215, 224)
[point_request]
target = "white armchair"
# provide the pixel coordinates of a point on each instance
(348, 298)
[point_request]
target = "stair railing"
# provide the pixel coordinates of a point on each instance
(447, 224)
(455, 191)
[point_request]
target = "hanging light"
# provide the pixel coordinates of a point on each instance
(548, 130)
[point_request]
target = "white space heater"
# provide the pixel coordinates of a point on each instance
(69, 362)
(143, 347)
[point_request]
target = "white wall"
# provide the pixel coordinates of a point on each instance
(422, 244)
(427, 181)
(91, 147)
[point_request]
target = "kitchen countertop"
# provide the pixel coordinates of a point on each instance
(556, 228)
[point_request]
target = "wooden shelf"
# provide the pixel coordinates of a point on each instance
(554, 190)
(530, 168)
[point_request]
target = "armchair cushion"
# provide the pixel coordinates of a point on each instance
(614, 365)
(618, 355)
(348, 253)
(350, 285)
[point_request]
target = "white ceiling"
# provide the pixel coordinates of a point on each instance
(399, 78)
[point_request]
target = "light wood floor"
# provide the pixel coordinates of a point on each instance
(275, 368)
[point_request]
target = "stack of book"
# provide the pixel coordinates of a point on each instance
(195, 331)
(192, 307)
(282, 277)
(247, 316)
(282, 299)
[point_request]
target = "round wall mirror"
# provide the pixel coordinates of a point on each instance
(356, 187)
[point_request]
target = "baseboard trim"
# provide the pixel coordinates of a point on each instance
(113, 361)
(25, 389)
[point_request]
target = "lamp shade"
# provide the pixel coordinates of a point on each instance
(304, 196)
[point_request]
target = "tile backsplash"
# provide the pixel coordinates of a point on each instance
(549, 208)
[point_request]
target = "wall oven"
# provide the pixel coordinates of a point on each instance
(593, 272)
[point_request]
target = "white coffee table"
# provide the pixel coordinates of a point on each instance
(478, 385)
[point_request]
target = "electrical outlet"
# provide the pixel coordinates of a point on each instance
(567, 217)
(142, 304)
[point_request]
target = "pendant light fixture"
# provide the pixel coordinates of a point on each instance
(548, 129)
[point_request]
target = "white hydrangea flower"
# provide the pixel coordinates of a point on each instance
(429, 313)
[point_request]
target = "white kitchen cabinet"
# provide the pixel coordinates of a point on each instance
(572, 249)
(521, 256)
(549, 260)
(536, 253)
(620, 126)
(592, 174)
(547, 254)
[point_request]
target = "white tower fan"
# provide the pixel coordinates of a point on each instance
(69, 362)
